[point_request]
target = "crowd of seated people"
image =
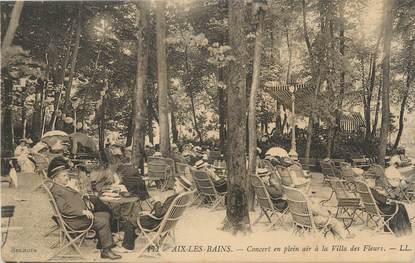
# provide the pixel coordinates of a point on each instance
(321, 215)
(116, 174)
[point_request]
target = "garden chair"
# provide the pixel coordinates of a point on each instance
(7, 212)
(348, 203)
(68, 237)
(161, 171)
(374, 214)
(265, 203)
(184, 170)
(206, 189)
(157, 236)
(301, 213)
(287, 180)
(329, 170)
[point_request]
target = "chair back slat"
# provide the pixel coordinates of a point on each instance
(203, 183)
(367, 198)
(261, 193)
(175, 212)
(299, 207)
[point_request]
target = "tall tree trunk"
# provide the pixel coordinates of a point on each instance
(316, 80)
(252, 125)
(222, 112)
(13, 24)
(402, 111)
(74, 58)
(131, 126)
(289, 55)
(384, 131)
(101, 126)
(37, 116)
(61, 80)
(7, 140)
(237, 203)
(162, 78)
(150, 114)
(339, 112)
(191, 94)
(140, 114)
(377, 110)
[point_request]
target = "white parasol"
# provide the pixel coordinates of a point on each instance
(277, 151)
(55, 133)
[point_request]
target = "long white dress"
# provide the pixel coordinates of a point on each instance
(22, 154)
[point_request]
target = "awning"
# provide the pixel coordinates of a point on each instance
(282, 92)
(352, 121)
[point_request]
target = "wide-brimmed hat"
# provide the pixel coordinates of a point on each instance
(57, 165)
(157, 154)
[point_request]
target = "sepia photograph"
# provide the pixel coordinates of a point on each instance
(208, 131)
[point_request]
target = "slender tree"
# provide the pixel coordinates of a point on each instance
(140, 114)
(258, 11)
(384, 131)
(162, 78)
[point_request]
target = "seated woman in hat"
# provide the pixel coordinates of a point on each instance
(219, 183)
(81, 210)
(274, 188)
(152, 219)
(22, 153)
(400, 223)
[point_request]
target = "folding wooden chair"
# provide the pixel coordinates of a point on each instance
(347, 202)
(68, 237)
(373, 212)
(301, 213)
(265, 203)
(206, 189)
(157, 236)
(7, 212)
(161, 171)
(329, 170)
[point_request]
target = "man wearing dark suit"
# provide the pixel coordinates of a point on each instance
(159, 210)
(71, 203)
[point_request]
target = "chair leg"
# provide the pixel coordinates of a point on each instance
(218, 201)
(259, 218)
(52, 229)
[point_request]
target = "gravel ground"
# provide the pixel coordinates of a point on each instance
(196, 232)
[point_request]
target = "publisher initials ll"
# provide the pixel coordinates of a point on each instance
(404, 248)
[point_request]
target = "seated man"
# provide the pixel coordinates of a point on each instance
(274, 188)
(71, 203)
(159, 210)
(219, 183)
